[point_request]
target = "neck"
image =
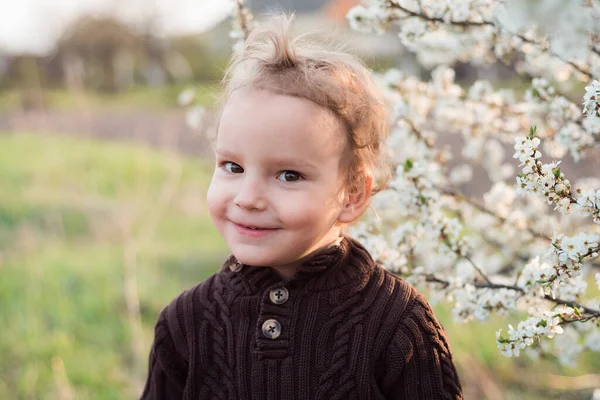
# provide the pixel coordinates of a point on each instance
(287, 271)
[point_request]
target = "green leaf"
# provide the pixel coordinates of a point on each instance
(532, 132)
(543, 323)
(408, 164)
(556, 172)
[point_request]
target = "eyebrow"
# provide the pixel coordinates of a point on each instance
(226, 153)
(278, 162)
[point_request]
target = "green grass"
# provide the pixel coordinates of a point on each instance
(71, 212)
(140, 97)
(77, 215)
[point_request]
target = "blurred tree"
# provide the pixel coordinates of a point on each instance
(95, 50)
(204, 63)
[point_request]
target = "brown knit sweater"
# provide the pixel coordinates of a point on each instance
(341, 328)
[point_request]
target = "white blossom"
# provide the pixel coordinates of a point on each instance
(591, 101)
(186, 97)
(461, 174)
(193, 116)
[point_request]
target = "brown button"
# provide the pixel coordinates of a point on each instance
(271, 328)
(279, 295)
(235, 266)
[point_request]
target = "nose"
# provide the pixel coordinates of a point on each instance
(251, 194)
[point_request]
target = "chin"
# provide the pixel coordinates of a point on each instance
(255, 257)
(255, 261)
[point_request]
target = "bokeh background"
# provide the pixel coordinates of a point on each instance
(102, 192)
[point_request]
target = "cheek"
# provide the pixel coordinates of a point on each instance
(309, 211)
(215, 199)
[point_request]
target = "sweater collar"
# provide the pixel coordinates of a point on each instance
(344, 262)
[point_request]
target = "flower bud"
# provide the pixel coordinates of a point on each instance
(564, 202)
(559, 188)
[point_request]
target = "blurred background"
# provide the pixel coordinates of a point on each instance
(102, 186)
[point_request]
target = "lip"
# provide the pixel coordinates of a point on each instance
(255, 233)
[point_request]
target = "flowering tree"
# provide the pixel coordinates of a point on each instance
(529, 245)
(511, 251)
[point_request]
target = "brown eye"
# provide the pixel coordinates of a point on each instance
(233, 167)
(289, 176)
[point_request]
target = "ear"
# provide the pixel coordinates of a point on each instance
(356, 203)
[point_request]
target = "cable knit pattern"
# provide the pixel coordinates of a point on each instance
(344, 328)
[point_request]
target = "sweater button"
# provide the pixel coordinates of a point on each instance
(235, 266)
(271, 328)
(279, 295)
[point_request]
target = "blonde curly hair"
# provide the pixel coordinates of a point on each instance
(272, 59)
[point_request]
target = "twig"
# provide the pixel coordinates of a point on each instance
(242, 18)
(487, 279)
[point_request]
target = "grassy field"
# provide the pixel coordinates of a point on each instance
(137, 97)
(81, 225)
(97, 237)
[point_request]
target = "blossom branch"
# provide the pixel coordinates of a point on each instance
(242, 16)
(489, 285)
(425, 17)
(466, 24)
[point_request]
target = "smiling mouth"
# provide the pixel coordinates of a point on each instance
(255, 228)
(252, 231)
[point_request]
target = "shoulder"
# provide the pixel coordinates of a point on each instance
(412, 310)
(176, 322)
(406, 310)
(418, 358)
(400, 295)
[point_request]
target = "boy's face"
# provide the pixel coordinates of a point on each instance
(275, 195)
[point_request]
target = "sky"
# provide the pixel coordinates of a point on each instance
(33, 26)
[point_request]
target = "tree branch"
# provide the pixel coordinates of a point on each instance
(425, 17)
(593, 313)
(467, 24)
(242, 18)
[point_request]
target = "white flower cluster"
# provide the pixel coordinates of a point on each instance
(567, 253)
(591, 101)
(413, 215)
(471, 302)
(562, 120)
(544, 278)
(542, 179)
(527, 333)
(588, 202)
(481, 31)
(372, 19)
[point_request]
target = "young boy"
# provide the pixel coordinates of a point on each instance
(298, 310)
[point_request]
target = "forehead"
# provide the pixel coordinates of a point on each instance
(286, 124)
